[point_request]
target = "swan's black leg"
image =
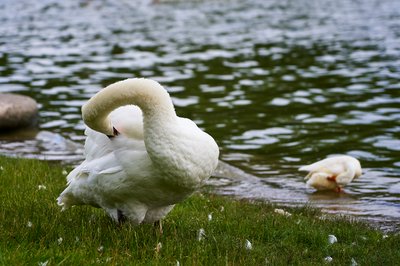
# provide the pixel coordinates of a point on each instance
(121, 217)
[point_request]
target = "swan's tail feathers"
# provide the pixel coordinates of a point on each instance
(305, 168)
(66, 200)
(308, 176)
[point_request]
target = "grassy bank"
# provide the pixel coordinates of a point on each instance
(33, 231)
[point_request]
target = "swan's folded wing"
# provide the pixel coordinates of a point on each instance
(79, 172)
(96, 145)
(315, 167)
(97, 166)
(127, 120)
(133, 157)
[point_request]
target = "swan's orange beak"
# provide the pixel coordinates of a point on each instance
(332, 178)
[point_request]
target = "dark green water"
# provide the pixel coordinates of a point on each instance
(279, 84)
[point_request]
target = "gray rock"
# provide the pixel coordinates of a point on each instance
(17, 111)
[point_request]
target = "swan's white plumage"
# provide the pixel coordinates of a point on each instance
(332, 173)
(156, 160)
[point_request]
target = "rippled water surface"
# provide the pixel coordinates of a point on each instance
(279, 84)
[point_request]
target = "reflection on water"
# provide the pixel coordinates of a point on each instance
(279, 84)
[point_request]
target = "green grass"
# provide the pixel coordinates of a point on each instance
(34, 231)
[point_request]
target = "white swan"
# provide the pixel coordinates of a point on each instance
(332, 173)
(141, 159)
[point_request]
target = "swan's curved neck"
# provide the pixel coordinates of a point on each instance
(147, 94)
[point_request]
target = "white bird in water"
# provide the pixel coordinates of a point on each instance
(332, 173)
(141, 158)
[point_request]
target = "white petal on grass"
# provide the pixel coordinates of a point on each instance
(209, 217)
(353, 262)
(42, 187)
(29, 224)
(100, 249)
(248, 245)
(385, 236)
(328, 259)
(158, 247)
(201, 235)
(1, 168)
(60, 240)
(64, 172)
(178, 263)
(44, 263)
(282, 212)
(221, 209)
(332, 239)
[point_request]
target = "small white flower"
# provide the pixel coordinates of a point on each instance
(385, 236)
(40, 187)
(43, 263)
(209, 217)
(332, 239)
(76, 239)
(221, 209)
(1, 168)
(64, 172)
(282, 212)
(248, 245)
(60, 240)
(29, 224)
(158, 247)
(100, 249)
(353, 262)
(201, 235)
(178, 263)
(328, 259)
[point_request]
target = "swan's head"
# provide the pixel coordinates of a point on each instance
(96, 118)
(147, 94)
(321, 181)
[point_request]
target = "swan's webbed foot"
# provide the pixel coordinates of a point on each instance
(121, 217)
(159, 225)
